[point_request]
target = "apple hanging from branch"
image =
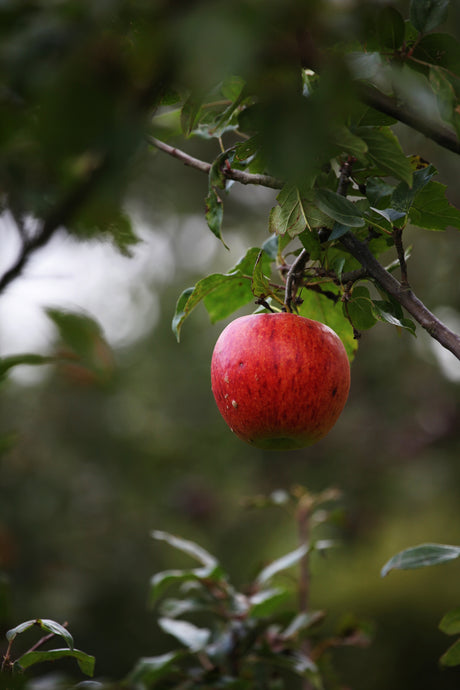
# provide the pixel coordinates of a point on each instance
(280, 380)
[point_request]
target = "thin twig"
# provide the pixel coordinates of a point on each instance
(293, 277)
(397, 237)
(46, 638)
(230, 173)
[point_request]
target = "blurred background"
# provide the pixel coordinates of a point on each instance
(88, 470)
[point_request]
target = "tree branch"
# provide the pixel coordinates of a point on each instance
(203, 166)
(403, 295)
(59, 216)
(416, 119)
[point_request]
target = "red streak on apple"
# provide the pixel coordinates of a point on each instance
(280, 381)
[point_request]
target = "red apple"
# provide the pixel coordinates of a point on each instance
(280, 380)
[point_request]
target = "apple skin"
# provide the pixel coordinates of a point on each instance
(280, 380)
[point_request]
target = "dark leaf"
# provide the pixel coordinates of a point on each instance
(386, 153)
(441, 50)
(426, 15)
(161, 581)
(215, 214)
(267, 601)
(452, 656)
(403, 196)
(339, 208)
(360, 309)
(301, 622)
(85, 661)
(450, 622)
(150, 669)
(390, 28)
(384, 312)
(189, 114)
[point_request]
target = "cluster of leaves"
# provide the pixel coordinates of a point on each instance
(37, 654)
(245, 639)
(359, 182)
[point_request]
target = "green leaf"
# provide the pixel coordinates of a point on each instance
(378, 192)
(339, 208)
(421, 556)
(360, 309)
(288, 217)
(247, 149)
(426, 15)
(105, 221)
(161, 581)
(452, 656)
(76, 330)
(152, 668)
(295, 662)
(403, 196)
(431, 209)
(189, 114)
(386, 153)
(441, 50)
(84, 337)
(210, 570)
(260, 284)
(390, 28)
(281, 564)
(266, 602)
(302, 621)
(384, 312)
(46, 624)
(232, 87)
(349, 142)
(320, 308)
(365, 116)
(85, 661)
(222, 293)
(188, 547)
(311, 243)
(214, 214)
(192, 637)
(450, 622)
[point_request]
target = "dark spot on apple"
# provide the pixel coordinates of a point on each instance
(241, 364)
(334, 392)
